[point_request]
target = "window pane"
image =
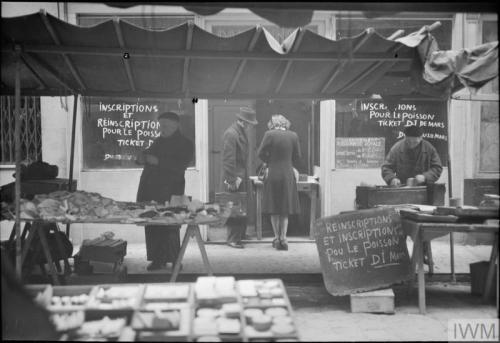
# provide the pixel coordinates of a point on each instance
(31, 138)
(489, 137)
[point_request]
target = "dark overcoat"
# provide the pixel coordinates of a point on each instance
(159, 183)
(234, 155)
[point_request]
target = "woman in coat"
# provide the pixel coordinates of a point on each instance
(280, 150)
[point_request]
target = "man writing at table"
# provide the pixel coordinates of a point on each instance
(413, 157)
(165, 162)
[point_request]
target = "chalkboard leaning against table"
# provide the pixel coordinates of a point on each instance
(165, 162)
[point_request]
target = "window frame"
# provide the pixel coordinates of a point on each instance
(476, 105)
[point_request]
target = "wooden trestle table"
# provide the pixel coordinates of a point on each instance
(421, 232)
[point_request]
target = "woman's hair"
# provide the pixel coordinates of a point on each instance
(278, 121)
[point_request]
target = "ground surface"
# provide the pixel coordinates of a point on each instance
(319, 315)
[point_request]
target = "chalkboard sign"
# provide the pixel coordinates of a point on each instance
(116, 130)
(381, 118)
(362, 250)
(359, 152)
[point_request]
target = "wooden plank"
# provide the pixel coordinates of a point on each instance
(56, 40)
(206, 54)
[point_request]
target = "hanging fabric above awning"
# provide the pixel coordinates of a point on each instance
(116, 58)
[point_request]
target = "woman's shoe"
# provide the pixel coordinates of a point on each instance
(276, 243)
(283, 244)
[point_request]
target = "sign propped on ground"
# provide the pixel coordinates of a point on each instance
(362, 250)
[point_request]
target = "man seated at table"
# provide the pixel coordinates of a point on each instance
(412, 157)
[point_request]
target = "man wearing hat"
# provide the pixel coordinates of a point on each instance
(412, 157)
(165, 162)
(234, 170)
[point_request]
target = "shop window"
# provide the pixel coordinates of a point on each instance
(31, 138)
(489, 122)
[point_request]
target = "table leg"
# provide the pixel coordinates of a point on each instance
(29, 239)
(312, 216)
(421, 277)
(46, 250)
(429, 257)
(258, 211)
(178, 261)
(67, 267)
(452, 257)
(491, 270)
(201, 245)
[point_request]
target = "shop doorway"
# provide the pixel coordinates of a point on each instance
(221, 114)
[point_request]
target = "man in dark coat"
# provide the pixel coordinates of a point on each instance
(412, 157)
(165, 162)
(234, 171)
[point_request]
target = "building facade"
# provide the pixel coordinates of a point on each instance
(472, 118)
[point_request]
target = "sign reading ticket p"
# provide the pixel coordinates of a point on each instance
(362, 250)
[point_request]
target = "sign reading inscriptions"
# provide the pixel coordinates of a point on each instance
(388, 118)
(362, 250)
(359, 152)
(116, 130)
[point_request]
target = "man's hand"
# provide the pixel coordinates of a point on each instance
(395, 182)
(420, 179)
(237, 182)
(150, 159)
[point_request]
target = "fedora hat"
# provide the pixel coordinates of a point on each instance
(248, 115)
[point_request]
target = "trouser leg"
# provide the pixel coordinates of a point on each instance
(236, 229)
(162, 243)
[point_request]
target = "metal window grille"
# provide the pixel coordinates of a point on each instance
(31, 137)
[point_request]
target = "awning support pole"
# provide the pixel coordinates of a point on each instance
(72, 155)
(450, 195)
(17, 142)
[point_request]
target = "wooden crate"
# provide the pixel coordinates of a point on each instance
(368, 197)
(380, 301)
(478, 273)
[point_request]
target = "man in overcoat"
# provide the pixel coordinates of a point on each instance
(235, 166)
(412, 157)
(165, 162)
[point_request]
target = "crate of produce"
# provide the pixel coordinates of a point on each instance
(165, 296)
(41, 294)
(267, 312)
(171, 324)
(106, 328)
(70, 298)
(370, 196)
(115, 299)
(217, 311)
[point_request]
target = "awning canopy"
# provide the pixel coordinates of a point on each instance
(116, 58)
